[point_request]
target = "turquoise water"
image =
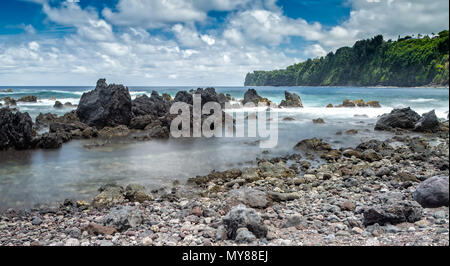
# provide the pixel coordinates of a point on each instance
(74, 171)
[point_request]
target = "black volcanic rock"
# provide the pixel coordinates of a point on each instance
(291, 100)
(107, 105)
(428, 123)
(252, 96)
(15, 129)
(155, 105)
(183, 96)
(399, 118)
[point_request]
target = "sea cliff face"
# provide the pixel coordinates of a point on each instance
(374, 62)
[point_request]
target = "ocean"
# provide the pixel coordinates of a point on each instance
(74, 171)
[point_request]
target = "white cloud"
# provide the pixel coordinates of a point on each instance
(119, 47)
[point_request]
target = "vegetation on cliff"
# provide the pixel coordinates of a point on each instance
(406, 62)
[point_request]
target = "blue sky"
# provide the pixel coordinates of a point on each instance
(189, 42)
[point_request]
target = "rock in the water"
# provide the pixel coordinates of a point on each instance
(399, 118)
(28, 99)
(15, 129)
(318, 121)
(251, 96)
(433, 192)
(428, 123)
(109, 196)
(58, 105)
(243, 217)
(113, 132)
(393, 213)
(107, 105)
(291, 100)
(313, 144)
(137, 193)
(123, 218)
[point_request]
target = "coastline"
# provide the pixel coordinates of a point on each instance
(324, 206)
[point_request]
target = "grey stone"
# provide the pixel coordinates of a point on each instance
(241, 216)
(433, 192)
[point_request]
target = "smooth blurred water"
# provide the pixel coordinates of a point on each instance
(74, 171)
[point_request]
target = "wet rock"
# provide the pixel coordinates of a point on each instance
(243, 217)
(107, 105)
(374, 104)
(394, 213)
(15, 129)
(58, 105)
(348, 103)
(291, 100)
(318, 121)
(52, 140)
(433, 192)
(28, 99)
(251, 96)
(9, 101)
(114, 132)
(313, 144)
(288, 119)
(123, 218)
(109, 196)
(137, 193)
(428, 123)
(399, 118)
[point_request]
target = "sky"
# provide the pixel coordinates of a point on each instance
(189, 42)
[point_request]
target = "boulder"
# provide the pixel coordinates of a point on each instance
(15, 129)
(433, 192)
(243, 217)
(109, 196)
(252, 96)
(399, 118)
(291, 100)
(137, 193)
(313, 144)
(428, 123)
(52, 140)
(123, 218)
(58, 105)
(107, 105)
(371, 155)
(248, 196)
(393, 213)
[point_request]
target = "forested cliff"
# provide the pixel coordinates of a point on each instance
(374, 62)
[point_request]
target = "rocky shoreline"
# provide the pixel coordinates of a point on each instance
(391, 192)
(378, 193)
